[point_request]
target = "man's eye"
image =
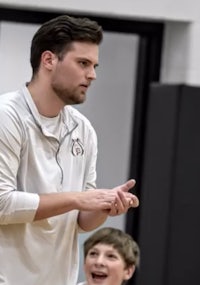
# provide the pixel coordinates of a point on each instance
(83, 63)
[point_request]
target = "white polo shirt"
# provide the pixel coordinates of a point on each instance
(35, 159)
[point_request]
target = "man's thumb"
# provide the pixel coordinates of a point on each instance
(129, 184)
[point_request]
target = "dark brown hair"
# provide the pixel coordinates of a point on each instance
(57, 34)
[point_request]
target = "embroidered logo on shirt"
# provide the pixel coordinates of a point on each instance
(77, 147)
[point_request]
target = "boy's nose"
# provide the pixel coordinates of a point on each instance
(100, 260)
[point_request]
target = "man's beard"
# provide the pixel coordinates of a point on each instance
(69, 97)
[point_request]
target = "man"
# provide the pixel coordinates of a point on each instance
(48, 156)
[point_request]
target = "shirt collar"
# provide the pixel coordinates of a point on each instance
(68, 119)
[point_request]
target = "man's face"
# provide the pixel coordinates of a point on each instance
(104, 266)
(72, 75)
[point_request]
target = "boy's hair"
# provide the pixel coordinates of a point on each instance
(57, 35)
(121, 241)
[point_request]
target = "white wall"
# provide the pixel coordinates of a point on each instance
(181, 60)
(176, 52)
(15, 41)
(182, 10)
(181, 56)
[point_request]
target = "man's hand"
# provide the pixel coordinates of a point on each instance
(97, 204)
(115, 201)
(122, 202)
(111, 202)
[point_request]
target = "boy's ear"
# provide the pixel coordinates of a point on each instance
(128, 272)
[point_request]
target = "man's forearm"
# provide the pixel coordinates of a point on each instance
(54, 204)
(89, 221)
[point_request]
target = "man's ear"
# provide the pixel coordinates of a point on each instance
(47, 59)
(128, 272)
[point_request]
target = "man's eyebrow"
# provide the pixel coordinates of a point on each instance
(88, 60)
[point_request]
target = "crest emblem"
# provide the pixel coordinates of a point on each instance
(77, 147)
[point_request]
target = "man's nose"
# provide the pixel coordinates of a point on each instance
(91, 74)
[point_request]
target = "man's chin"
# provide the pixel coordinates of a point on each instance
(80, 100)
(75, 102)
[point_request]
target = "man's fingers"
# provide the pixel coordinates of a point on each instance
(131, 183)
(128, 185)
(129, 199)
(134, 202)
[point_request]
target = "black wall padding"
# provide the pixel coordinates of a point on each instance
(169, 226)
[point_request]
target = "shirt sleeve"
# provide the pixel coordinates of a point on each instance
(16, 206)
(91, 160)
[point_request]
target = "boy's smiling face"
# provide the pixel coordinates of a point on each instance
(105, 266)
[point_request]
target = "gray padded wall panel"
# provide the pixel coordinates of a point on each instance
(169, 231)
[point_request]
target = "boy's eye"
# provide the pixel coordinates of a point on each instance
(92, 253)
(112, 256)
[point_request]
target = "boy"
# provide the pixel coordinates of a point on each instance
(110, 257)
